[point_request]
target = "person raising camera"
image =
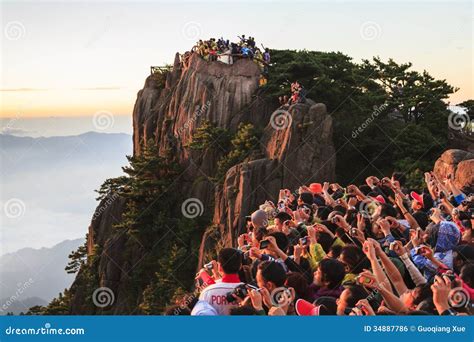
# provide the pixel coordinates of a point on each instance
(229, 263)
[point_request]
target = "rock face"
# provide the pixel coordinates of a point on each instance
(297, 142)
(297, 152)
(458, 163)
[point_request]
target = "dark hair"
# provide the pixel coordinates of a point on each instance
(421, 218)
(336, 251)
(467, 274)
(387, 192)
(273, 271)
(421, 293)
(354, 258)
(307, 197)
(332, 271)
(323, 212)
(281, 240)
(298, 281)
(230, 260)
(282, 216)
(465, 253)
(356, 293)
(388, 210)
(242, 311)
(325, 240)
(340, 209)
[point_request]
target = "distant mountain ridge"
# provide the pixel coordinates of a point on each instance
(34, 276)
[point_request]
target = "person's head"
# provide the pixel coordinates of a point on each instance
(388, 210)
(413, 297)
(259, 219)
(281, 241)
(270, 275)
(467, 275)
(462, 255)
(299, 282)
(229, 261)
(376, 231)
(349, 297)
(305, 198)
(280, 218)
(334, 251)
(329, 274)
(421, 218)
(417, 201)
(353, 259)
(323, 212)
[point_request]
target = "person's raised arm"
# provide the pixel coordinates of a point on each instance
(381, 277)
(327, 197)
(406, 214)
(414, 272)
(392, 301)
(390, 269)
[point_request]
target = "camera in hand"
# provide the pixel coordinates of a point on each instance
(240, 291)
(264, 244)
(208, 266)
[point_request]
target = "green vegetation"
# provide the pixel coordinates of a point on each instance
(245, 144)
(207, 134)
(407, 129)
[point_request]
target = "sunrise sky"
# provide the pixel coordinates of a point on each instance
(79, 58)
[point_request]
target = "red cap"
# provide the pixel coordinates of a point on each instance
(417, 197)
(316, 188)
(305, 308)
(379, 198)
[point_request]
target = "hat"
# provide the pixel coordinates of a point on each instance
(315, 188)
(305, 308)
(417, 197)
(379, 198)
(259, 218)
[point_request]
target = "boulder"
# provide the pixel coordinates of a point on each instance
(458, 163)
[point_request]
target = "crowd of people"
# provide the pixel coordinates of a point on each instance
(228, 52)
(373, 249)
(298, 95)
